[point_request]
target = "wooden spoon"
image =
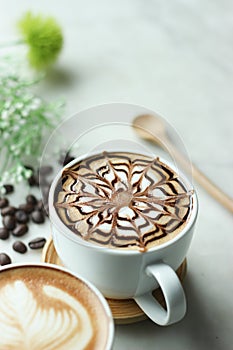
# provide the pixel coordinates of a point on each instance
(152, 128)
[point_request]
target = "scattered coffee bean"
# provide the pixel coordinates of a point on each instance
(21, 216)
(3, 202)
(37, 243)
(4, 259)
(43, 207)
(40, 205)
(28, 208)
(33, 180)
(8, 188)
(8, 211)
(30, 199)
(38, 217)
(20, 230)
(19, 247)
(4, 233)
(9, 222)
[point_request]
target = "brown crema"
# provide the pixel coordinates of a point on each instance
(123, 200)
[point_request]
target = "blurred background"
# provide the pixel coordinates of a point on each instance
(174, 57)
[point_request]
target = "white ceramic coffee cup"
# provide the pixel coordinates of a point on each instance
(122, 274)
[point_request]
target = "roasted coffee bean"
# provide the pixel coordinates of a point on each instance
(9, 222)
(37, 243)
(8, 188)
(33, 180)
(4, 233)
(31, 199)
(28, 208)
(21, 216)
(3, 202)
(8, 211)
(20, 230)
(4, 259)
(40, 205)
(38, 217)
(46, 170)
(19, 247)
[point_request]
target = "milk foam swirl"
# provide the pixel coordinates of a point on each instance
(28, 324)
(123, 200)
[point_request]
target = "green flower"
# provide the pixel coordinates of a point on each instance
(44, 37)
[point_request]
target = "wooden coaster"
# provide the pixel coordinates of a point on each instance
(124, 311)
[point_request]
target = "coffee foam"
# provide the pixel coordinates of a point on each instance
(123, 200)
(43, 309)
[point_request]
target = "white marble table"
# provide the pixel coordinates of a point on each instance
(176, 58)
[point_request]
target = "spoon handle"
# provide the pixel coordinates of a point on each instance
(202, 179)
(212, 189)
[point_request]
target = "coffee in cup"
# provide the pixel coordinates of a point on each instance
(123, 200)
(46, 307)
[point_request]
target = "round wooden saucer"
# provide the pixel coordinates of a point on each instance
(124, 311)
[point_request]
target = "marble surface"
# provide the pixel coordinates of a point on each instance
(177, 59)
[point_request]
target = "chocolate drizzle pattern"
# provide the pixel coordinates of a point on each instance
(123, 200)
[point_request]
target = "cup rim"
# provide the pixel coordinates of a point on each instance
(91, 286)
(64, 230)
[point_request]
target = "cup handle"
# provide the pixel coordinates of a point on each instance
(173, 293)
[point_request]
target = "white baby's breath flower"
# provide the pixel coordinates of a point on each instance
(7, 104)
(12, 147)
(11, 109)
(4, 114)
(19, 105)
(19, 178)
(4, 124)
(16, 152)
(27, 173)
(27, 97)
(5, 176)
(17, 116)
(36, 102)
(25, 113)
(2, 188)
(5, 135)
(15, 128)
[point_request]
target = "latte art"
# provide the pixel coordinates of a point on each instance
(123, 200)
(37, 311)
(64, 326)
